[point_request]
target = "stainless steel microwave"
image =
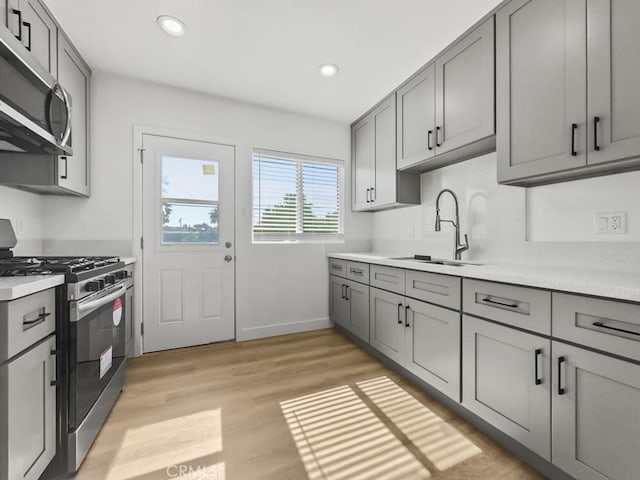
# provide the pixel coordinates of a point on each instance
(35, 110)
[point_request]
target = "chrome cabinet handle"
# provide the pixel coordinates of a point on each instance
(356, 271)
(67, 105)
(373, 194)
(429, 133)
(438, 144)
(596, 121)
(336, 267)
(536, 358)
(343, 294)
(27, 324)
(66, 168)
(495, 302)
(54, 368)
(28, 25)
(406, 315)
(399, 310)
(346, 292)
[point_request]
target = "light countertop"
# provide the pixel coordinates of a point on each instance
(128, 260)
(16, 287)
(616, 285)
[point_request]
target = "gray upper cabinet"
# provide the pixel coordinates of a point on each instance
(613, 74)
(555, 59)
(32, 24)
(362, 162)
(541, 87)
(74, 75)
(596, 426)
(465, 103)
(376, 184)
(507, 381)
(417, 119)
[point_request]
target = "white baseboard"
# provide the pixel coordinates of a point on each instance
(252, 333)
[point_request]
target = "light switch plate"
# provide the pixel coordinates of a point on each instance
(610, 223)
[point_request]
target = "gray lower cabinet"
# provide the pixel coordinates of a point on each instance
(507, 381)
(376, 184)
(596, 426)
(386, 322)
(349, 306)
(28, 412)
(74, 75)
(432, 346)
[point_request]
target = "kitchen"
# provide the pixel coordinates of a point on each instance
(540, 162)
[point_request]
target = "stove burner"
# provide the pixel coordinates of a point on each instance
(17, 266)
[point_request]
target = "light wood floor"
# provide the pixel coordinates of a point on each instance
(309, 405)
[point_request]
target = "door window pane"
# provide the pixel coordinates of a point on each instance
(189, 223)
(189, 178)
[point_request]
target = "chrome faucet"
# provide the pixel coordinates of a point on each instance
(459, 247)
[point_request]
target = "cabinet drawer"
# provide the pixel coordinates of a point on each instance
(518, 306)
(434, 288)
(388, 278)
(337, 267)
(25, 321)
(358, 272)
(603, 324)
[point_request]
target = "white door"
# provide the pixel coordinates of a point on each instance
(188, 238)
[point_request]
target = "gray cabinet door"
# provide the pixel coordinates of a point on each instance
(362, 161)
(506, 381)
(29, 413)
(387, 323)
(358, 299)
(40, 34)
(338, 306)
(596, 426)
(433, 346)
(384, 174)
(74, 76)
(613, 71)
(541, 87)
(416, 121)
(465, 102)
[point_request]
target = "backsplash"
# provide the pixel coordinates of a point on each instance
(516, 225)
(25, 210)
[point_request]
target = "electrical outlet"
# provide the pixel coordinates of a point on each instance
(611, 223)
(18, 226)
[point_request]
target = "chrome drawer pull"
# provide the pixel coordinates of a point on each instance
(337, 267)
(536, 356)
(495, 302)
(356, 271)
(602, 325)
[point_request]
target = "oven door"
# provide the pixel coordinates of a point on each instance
(97, 348)
(35, 111)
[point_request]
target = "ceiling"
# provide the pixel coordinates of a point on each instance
(268, 51)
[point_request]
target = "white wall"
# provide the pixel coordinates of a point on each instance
(280, 288)
(559, 219)
(25, 211)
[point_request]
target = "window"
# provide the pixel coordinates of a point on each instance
(296, 198)
(189, 200)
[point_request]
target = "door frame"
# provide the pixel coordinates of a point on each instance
(137, 194)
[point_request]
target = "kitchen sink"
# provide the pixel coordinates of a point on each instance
(436, 261)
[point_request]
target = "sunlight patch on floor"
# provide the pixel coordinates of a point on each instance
(441, 443)
(339, 438)
(170, 444)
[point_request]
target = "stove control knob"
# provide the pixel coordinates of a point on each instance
(92, 286)
(110, 279)
(122, 275)
(101, 283)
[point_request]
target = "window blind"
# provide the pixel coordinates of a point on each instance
(296, 198)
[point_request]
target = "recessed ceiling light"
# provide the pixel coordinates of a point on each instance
(328, 70)
(171, 25)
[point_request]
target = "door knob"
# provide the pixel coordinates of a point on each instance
(228, 244)
(228, 258)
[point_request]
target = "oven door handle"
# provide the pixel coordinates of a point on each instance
(83, 307)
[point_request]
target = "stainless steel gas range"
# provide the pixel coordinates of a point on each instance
(91, 339)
